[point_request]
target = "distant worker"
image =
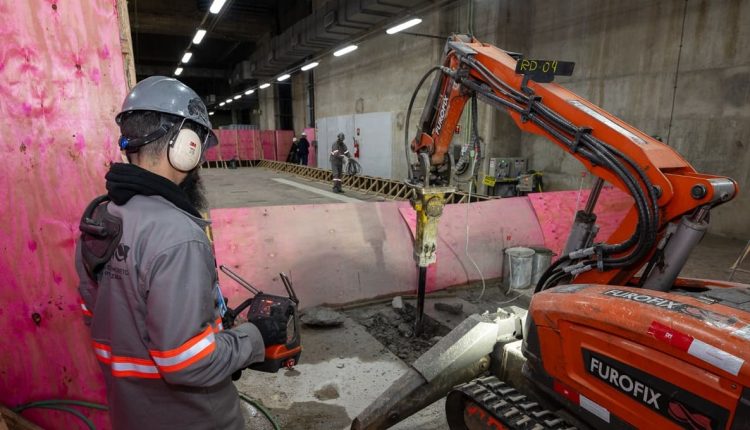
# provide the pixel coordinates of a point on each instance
(338, 152)
(293, 156)
(148, 280)
(303, 149)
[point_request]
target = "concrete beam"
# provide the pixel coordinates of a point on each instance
(250, 28)
(192, 72)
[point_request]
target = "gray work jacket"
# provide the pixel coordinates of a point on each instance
(338, 152)
(156, 325)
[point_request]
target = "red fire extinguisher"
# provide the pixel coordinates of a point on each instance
(356, 144)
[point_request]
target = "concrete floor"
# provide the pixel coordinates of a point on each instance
(343, 369)
(258, 186)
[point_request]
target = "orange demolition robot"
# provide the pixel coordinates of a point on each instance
(613, 337)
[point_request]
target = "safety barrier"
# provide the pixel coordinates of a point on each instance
(390, 188)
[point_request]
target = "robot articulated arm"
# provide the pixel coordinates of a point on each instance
(665, 188)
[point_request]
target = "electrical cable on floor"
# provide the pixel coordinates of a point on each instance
(64, 406)
(466, 248)
(353, 168)
(263, 410)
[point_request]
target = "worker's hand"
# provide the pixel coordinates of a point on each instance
(273, 327)
(250, 333)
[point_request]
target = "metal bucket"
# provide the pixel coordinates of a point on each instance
(520, 266)
(541, 261)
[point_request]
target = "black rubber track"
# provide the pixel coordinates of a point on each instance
(514, 410)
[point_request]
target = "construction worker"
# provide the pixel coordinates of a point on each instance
(148, 280)
(293, 156)
(338, 152)
(303, 149)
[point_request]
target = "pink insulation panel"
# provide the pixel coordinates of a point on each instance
(556, 212)
(283, 144)
(248, 144)
(61, 84)
(312, 159)
(268, 144)
(355, 251)
(212, 154)
(228, 144)
(493, 226)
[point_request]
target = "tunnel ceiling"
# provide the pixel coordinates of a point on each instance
(250, 40)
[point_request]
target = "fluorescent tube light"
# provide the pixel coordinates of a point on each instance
(216, 6)
(344, 51)
(403, 26)
(199, 35)
(310, 66)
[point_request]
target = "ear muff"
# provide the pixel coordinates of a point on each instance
(185, 150)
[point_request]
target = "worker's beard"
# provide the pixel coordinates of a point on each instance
(193, 187)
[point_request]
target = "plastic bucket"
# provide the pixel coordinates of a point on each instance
(520, 266)
(541, 261)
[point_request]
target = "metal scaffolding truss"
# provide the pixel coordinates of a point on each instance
(389, 188)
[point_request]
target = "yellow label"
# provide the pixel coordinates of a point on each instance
(489, 180)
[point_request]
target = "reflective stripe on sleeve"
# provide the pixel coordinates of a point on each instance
(84, 309)
(103, 352)
(188, 353)
(134, 367)
(123, 367)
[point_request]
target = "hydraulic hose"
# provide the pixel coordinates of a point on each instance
(408, 116)
(600, 154)
(64, 406)
(263, 410)
(501, 95)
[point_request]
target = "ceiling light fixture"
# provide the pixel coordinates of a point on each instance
(403, 26)
(228, 101)
(264, 86)
(199, 36)
(178, 71)
(248, 92)
(237, 96)
(345, 50)
(216, 6)
(211, 113)
(283, 77)
(309, 66)
(222, 104)
(187, 57)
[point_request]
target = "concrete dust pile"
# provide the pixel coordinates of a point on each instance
(393, 325)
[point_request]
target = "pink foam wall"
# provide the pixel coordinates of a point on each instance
(248, 144)
(61, 84)
(312, 159)
(353, 251)
(556, 211)
(228, 146)
(268, 144)
(212, 154)
(283, 144)
(493, 226)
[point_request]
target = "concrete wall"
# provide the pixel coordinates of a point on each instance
(380, 76)
(299, 101)
(628, 58)
(268, 105)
